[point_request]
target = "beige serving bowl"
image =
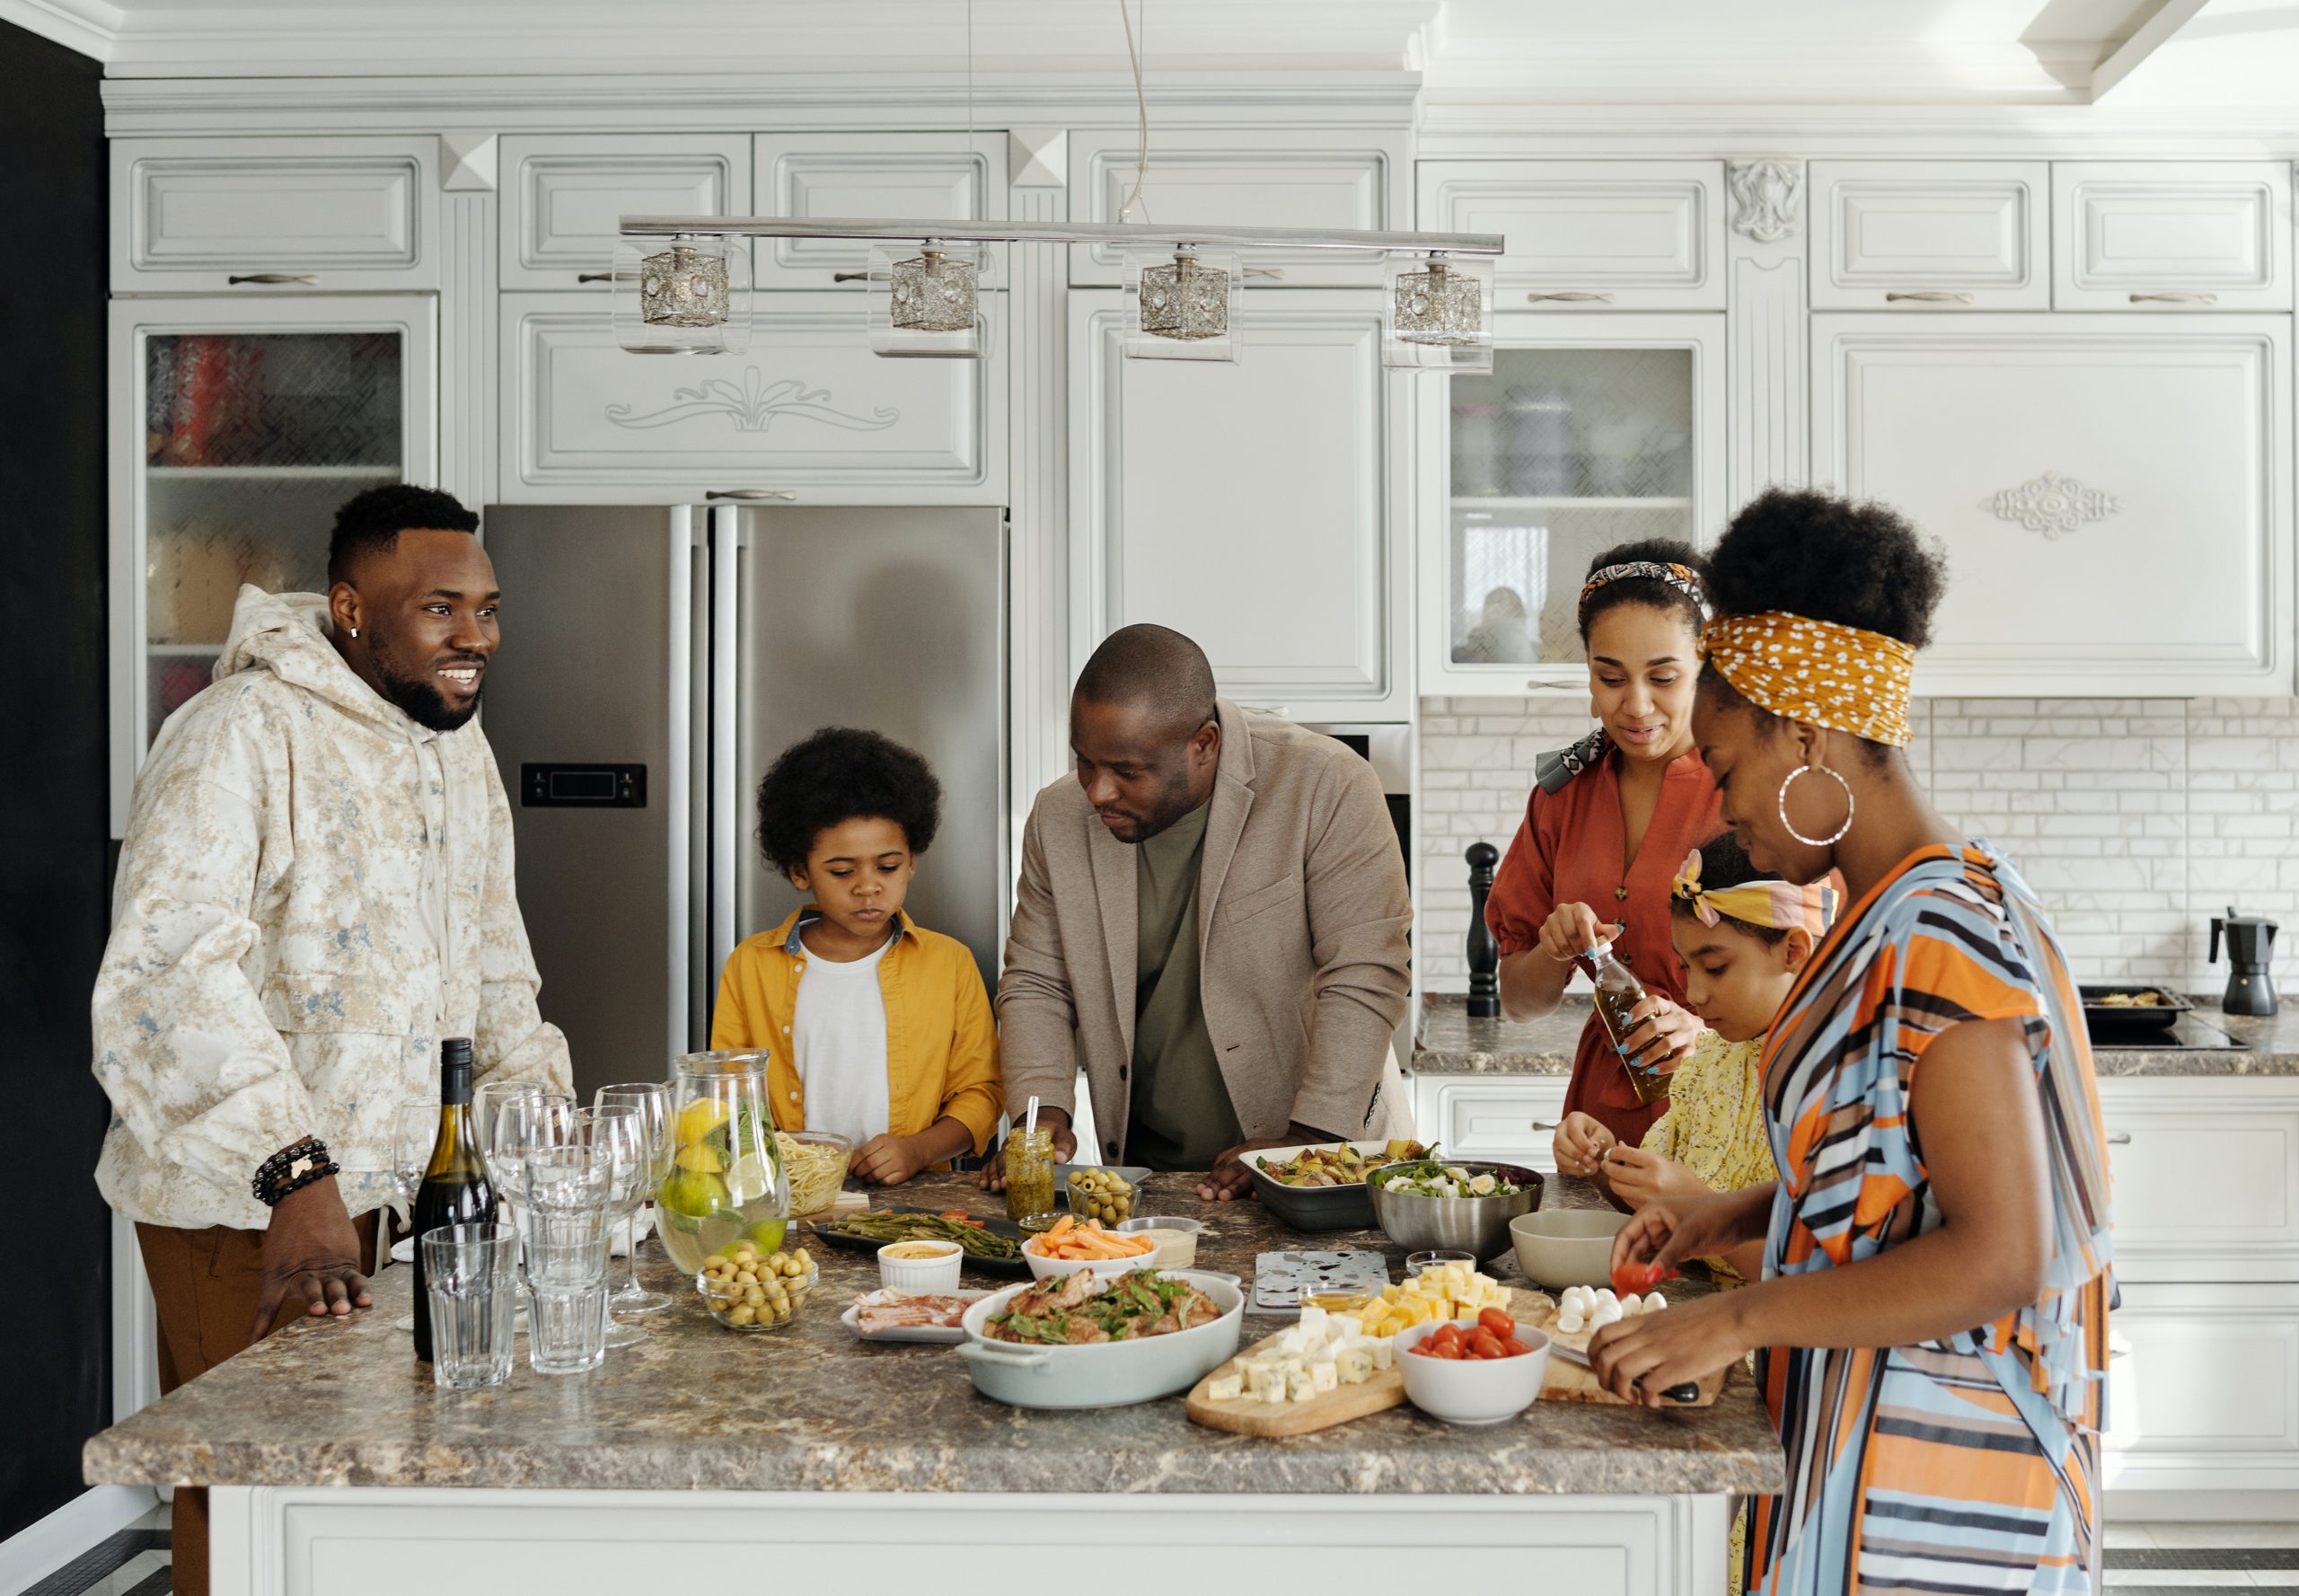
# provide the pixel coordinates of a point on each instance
(1562, 1246)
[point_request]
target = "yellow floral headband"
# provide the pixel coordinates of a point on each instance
(1818, 671)
(1777, 905)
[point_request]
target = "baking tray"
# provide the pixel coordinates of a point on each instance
(1019, 1268)
(2118, 1021)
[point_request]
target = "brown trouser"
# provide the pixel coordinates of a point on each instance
(206, 1285)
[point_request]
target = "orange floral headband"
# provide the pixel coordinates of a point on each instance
(1776, 905)
(1818, 671)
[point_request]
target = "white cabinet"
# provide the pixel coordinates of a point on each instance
(2114, 492)
(198, 216)
(1510, 1117)
(2203, 1387)
(1930, 234)
(859, 176)
(2171, 235)
(238, 426)
(2242, 1222)
(1261, 178)
(1591, 431)
(1590, 235)
(1254, 507)
(566, 197)
(809, 413)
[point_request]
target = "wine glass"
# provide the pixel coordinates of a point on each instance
(415, 1132)
(652, 1101)
(523, 1120)
(487, 1110)
(617, 1131)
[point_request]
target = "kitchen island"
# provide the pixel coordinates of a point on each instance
(712, 1457)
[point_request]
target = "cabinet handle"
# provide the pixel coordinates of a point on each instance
(1569, 296)
(273, 277)
(2120, 1139)
(2174, 296)
(1544, 1125)
(751, 495)
(849, 276)
(1929, 296)
(1541, 684)
(1275, 273)
(595, 276)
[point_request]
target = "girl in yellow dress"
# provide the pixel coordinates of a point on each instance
(1741, 940)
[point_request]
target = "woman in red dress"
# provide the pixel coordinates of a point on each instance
(1609, 820)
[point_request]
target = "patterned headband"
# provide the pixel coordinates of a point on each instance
(1682, 578)
(1775, 904)
(1818, 671)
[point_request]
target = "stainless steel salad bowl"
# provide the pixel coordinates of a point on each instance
(1474, 1225)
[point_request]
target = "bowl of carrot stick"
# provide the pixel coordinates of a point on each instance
(1069, 1247)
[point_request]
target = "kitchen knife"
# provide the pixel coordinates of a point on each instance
(1687, 1392)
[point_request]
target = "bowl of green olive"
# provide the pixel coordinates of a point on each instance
(745, 1291)
(1103, 1192)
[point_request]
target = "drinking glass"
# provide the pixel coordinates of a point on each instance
(615, 1132)
(473, 1278)
(415, 1132)
(652, 1099)
(523, 1120)
(1420, 1263)
(568, 1191)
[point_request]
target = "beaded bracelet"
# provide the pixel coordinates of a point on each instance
(290, 1169)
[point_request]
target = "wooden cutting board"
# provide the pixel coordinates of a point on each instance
(1566, 1381)
(1562, 1381)
(845, 1202)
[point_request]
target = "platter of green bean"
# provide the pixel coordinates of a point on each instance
(994, 1245)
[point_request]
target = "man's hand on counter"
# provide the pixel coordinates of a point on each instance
(311, 1250)
(1230, 1180)
(1065, 1148)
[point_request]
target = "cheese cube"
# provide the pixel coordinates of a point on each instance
(1265, 1382)
(1227, 1388)
(1346, 1325)
(1324, 1377)
(1385, 1353)
(1294, 1343)
(1352, 1364)
(1313, 1322)
(1300, 1387)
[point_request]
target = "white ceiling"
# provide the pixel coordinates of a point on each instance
(1746, 52)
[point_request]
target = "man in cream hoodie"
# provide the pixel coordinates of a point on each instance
(315, 888)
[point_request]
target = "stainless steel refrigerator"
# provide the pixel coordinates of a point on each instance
(654, 663)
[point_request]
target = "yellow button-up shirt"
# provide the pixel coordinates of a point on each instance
(941, 1041)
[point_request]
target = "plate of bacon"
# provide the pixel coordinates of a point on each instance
(911, 1316)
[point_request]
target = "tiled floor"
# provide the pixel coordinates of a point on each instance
(2160, 1559)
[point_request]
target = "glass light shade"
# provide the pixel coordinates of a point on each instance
(1437, 315)
(924, 300)
(686, 295)
(1183, 306)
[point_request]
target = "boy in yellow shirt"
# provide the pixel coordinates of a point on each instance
(876, 1028)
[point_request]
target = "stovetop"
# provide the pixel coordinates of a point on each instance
(2186, 1035)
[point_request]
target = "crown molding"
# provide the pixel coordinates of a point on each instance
(1714, 70)
(1457, 128)
(811, 102)
(88, 26)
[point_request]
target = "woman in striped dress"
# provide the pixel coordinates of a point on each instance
(1931, 1329)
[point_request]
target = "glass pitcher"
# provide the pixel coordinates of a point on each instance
(727, 1183)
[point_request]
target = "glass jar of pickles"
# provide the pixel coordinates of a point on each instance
(1029, 1177)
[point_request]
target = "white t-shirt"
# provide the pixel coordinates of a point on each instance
(838, 1037)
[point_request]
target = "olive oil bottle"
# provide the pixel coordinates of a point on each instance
(1619, 992)
(455, 1189)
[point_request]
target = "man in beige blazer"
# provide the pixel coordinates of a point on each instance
(1211, 917)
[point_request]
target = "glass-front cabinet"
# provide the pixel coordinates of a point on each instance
(1592, 430)
(257, 418)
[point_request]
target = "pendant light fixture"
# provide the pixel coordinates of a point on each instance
(928, 302)
(1183, 305)
(687, 294)
(1437, 315)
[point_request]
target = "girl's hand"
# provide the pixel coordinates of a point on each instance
(1581, 1144)
(1571, 930)
(1641, 1178)
(1638, 1358)
(1664, 1037)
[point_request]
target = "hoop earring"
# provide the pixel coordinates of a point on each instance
(1790, 826)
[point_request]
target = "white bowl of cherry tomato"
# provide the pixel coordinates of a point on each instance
(1473, 1372)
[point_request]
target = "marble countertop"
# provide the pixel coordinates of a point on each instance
(811, 1408)
(1450, 1043)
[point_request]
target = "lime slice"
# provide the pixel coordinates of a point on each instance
(701, 1157)
(750, 1179)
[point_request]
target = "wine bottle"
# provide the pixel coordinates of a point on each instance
(455, 1189)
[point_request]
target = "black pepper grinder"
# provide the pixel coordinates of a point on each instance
(1484, 953)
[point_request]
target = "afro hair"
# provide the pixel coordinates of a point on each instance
(838, 774)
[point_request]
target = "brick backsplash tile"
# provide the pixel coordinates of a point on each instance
(2136, 819)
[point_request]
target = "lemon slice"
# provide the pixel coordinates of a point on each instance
(701, 1157)
(698, 1119)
